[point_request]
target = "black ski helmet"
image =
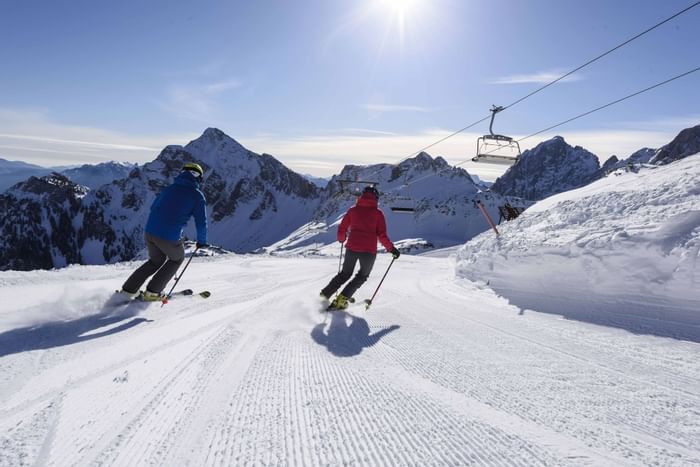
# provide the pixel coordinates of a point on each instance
(371, 189)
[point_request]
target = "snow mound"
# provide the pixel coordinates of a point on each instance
(622, 251)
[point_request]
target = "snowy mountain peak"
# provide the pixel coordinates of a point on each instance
(551, 167)
(426, 203)
(685, 144)
(557, 143)
(423, 161)
(215, 142)
(214, 134)
(94, 176)
(37, 225)
(51, 185)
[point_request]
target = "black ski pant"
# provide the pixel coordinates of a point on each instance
(351, 258)
(164, 258)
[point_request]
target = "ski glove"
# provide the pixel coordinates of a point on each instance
(395, 253)
(201, 245)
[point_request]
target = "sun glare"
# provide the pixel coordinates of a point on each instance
(400, 6)
(399, 11)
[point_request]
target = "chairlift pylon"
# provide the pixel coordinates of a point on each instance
(496, 149)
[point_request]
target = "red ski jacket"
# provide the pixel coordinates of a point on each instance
(367, 224)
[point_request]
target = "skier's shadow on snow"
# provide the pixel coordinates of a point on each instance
(60, 333)
(344, 339)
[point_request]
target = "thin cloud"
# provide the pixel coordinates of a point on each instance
(383, 108)
(196, 101)
(542, 77)
(91, 144)
(216, 88)
(31, 136)
(325, 155)
(212, 68)
(664, 123)
(369, 132)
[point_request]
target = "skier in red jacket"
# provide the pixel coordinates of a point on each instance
(366, 224)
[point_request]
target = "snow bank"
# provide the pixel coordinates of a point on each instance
(621, 251)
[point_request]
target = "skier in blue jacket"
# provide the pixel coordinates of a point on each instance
(169, 214)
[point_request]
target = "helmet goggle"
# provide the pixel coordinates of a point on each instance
(196, 174)
(195, 169)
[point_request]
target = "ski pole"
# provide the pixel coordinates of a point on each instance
(368, 302)
(177, 278)
(340, 261)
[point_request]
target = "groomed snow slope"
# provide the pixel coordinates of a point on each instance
(623, 251)
(438, 372)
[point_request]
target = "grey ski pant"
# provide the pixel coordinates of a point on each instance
(164, 258)
(351, 258)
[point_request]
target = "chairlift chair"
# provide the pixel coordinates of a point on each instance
(496, 149)
(403, 204)
(345, 186)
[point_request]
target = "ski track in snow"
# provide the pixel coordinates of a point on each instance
(438, 372)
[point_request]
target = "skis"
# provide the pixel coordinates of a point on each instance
(367, 302)
(187, 293)
(333, 308)
(116, 300)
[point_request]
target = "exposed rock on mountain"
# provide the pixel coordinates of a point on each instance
(426, 202)
(550, 167)
(37, 226)
(685, 144)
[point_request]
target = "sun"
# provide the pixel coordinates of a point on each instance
(399, 11)
(401, 7)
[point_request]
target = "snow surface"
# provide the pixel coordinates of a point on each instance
(440, 371)
(454, 364)
(621, 251)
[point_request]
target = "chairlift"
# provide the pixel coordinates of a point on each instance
(403, 204)
(354, 187)
(496, 149)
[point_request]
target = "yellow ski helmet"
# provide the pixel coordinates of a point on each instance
(194, 167)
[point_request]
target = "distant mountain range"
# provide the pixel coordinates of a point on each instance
(12, 172)
(318, 181)
(92, 176)
(255, 203)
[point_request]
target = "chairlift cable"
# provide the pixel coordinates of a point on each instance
(609, 104)
(557, 80)
(612, 103)
(602, 55)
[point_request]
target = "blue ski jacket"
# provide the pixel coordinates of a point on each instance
(173, 208)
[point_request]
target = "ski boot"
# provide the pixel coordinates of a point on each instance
(341, 302)
(126, 295)
(121, 297)
(149, 296)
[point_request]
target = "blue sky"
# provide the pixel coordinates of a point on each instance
(321, 83)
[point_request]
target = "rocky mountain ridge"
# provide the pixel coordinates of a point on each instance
(255, 203)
